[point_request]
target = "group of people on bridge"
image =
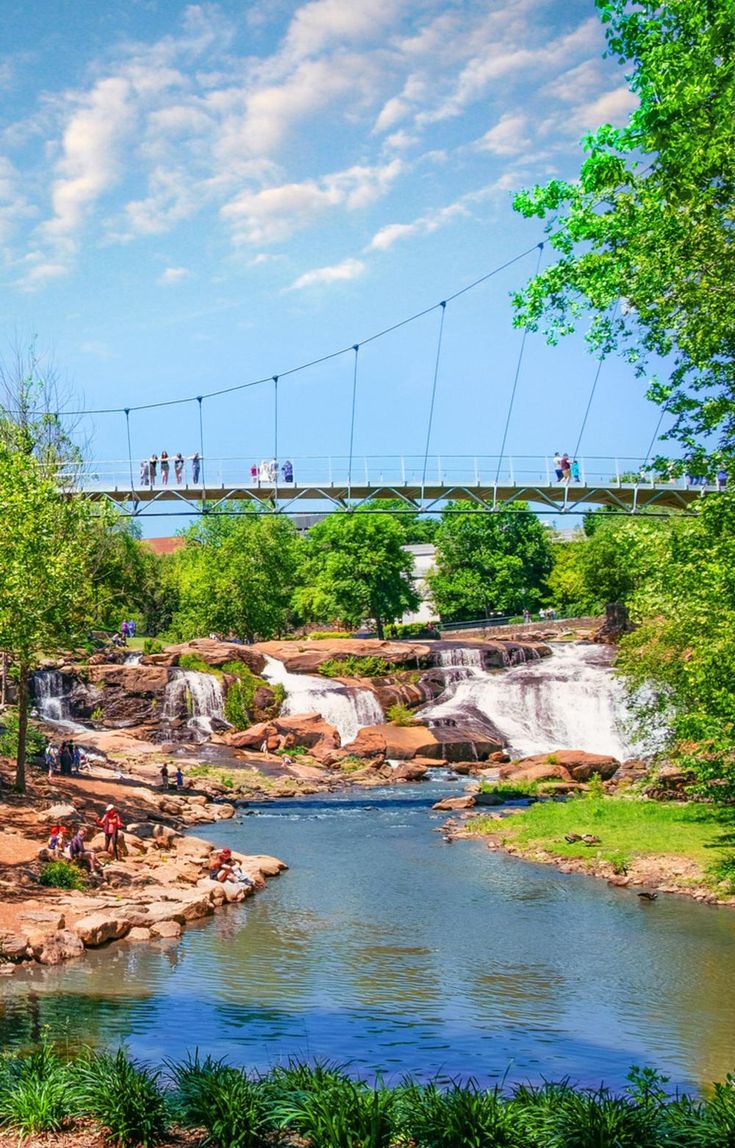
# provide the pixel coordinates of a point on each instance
(267, 473)
(566, 470)
(150, 467)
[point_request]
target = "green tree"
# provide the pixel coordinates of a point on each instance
(566, 582)
(356, 569)
(236, 575)
(488, 563)
(684, 646)
(416, 528)
(49, 560)
(645, 236)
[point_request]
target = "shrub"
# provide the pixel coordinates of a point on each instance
(510, 791)
(233, 1109)
(62, 875)
(722, 872)
(35, 741)
(595, 787)
(458, 1118)
(34, 1092)
(600, 1120)
(355, 667)
(123, 1097)
(339, 1114)
(194, 662)
(152, 646)
(400, 714)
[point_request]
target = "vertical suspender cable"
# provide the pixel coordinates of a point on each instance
(201, 452)
(515, 381)
(592, 394)
(356, 349)
(443, 306)
(130, 449)
(275, 423)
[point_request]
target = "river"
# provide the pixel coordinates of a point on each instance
(387, 948)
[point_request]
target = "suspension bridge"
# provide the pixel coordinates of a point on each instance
(411, 483)
(426, 482)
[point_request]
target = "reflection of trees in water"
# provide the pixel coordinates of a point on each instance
(78, 1018)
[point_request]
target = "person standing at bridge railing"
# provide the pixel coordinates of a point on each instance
(254, 474)
(575, 470)
(557, 466)
(566, 468)
(179, 468)
(165, 467)
(152, 466)
(144, 472)
(196, 465)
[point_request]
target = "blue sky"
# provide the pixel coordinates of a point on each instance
(195, 195)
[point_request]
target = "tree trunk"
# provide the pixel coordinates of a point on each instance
(4, 682)
(379, 627)
(20, 761)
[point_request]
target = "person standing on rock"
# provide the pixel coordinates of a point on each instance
(164, 775)
(179, 778)
(111, 823)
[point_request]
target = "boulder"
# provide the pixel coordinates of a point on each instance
(306, 657)
(223, 811)
(165, 930)
(369, 743)
(216, 653)
(409, 771)
(55, 948)
(565, 764)
(466, 802)
(308, 730)
(138, 679)
(60, 812)
(139, 933)
(14, 946)
(534, 770)
(104, 925)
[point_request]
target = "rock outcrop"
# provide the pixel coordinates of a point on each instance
(563, 765)
(306, 657)
(212, 651)
(308, 730)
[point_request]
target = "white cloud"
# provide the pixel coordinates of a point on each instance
(424, 225)
(508, 137)
(348, 269)
(274, 213)
(173, 275)
(321, 23)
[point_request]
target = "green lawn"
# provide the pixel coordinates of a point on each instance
(626, 828)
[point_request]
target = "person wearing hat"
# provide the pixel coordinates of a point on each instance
(221, 870)
(111, 824)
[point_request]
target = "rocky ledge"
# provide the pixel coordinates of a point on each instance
(158, 885)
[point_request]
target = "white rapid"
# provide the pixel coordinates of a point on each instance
(347, 709)
(570, 700)
(51, 697)
(201, 694)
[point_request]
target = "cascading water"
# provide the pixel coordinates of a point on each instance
(568, 701)
(52, 699)
(348, 709)
(200, 694)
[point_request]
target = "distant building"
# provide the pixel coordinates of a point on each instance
(423, 554)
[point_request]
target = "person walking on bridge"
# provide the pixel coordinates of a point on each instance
(557, 466)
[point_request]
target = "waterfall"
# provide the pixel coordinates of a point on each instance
(201, 695)
(571, 700)
(51, 695)
(348, 709)
(467, 656)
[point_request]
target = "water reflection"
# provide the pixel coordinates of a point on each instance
(385, 948)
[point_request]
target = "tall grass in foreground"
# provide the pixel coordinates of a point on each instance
(321, 1106)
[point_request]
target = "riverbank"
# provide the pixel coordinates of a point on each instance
(657, 847)
(157, 886)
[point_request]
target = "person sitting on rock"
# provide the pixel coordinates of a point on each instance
(221, 870)
(111, 823)
(56, 841)
(82, 856)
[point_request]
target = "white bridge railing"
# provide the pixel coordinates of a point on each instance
(339, 472)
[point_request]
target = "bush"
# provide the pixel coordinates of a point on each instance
(35, 741)
(194, 662)
(339, 1113)
(152, 646)
(400, 714)
(34, 1092)
(123, 1097)
(458, 1118)
(233, 1109)
(355, 667)
(600, 1120)
(510, 791)
(413, 630)
(62, 875)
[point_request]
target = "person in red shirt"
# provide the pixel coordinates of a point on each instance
(111, 824)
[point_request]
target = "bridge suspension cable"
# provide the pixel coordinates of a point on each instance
(302, 366)
(433, 395)
(595, 381)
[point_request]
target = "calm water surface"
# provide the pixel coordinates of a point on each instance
(385, 947)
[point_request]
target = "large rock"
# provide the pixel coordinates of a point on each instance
(105, 925)
(467, 802)
(165, 930)
(564, 764)
(14, 946)
(55, 948)
(131, 679)
(306, 657)
(308, 730)
(217, 654)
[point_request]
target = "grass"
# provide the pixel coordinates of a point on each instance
(508, 791)
(400, 714)
(352, 666)
(627, 828)
(212, 772)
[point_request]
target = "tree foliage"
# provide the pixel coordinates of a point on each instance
(645, 236)
(50, 559)
(356, 570)
(236, 575)
(489, 563)
(416, 528)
